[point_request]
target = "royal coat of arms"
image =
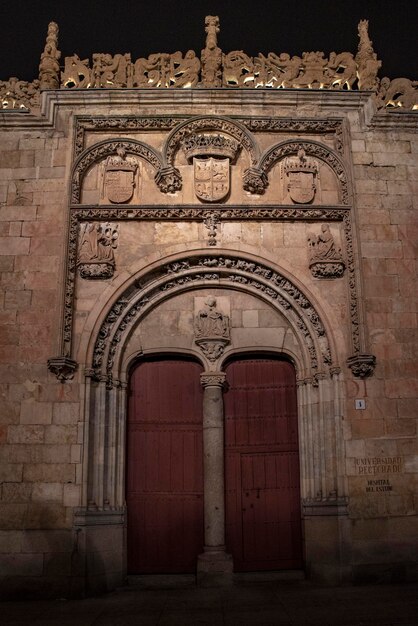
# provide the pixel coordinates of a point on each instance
(301, 173)
(119, 178)
(211, 178)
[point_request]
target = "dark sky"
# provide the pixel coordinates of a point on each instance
(143, 27)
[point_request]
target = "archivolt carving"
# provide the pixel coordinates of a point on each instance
(312, 148)
(195, 125)
(104, 149)
(198, 271)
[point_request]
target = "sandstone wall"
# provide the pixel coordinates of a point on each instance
(49, 538)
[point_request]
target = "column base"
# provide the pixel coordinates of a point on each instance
(214, 568)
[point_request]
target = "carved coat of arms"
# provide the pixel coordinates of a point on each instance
(211, 178)
(301, 173)
(119, 178)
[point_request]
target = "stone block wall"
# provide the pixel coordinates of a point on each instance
(46, 544)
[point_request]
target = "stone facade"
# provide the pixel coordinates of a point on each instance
(123, 214)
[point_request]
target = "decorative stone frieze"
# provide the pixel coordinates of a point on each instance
(326, 260)
(362, 365)
(19, 94)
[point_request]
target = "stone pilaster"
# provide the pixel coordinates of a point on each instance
(214, 565)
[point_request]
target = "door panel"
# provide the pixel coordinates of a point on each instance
(165, 467)
(263, 525)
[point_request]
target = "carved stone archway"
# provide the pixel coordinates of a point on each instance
(112, 351)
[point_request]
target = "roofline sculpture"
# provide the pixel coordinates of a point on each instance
(213, 70)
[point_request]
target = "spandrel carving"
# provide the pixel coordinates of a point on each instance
(97, 243)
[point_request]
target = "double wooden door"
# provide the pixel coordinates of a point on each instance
(165, 467)
(263, 524)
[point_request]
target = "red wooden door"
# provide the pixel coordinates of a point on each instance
(263, 524)
(165, 467)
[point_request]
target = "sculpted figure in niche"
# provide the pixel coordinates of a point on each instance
(210, 322)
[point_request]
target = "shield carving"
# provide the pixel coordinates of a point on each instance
(211, 178)
(301, 186)
(120, 182)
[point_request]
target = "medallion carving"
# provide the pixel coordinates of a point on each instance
(325, 260)
(300, 175)
(212, 330)
(119, 178)
(97, 243)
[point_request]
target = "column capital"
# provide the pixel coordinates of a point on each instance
(212, 379)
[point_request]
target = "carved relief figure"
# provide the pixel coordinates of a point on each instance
(77, 73)
(184, 72)
(300, 177)
(97, 243)
(110, 71)
(19, 94)
(366, 58)
(326, 260)
(212, 55)
(212, 330)
(119, 178)
(210, 322)
(238, 69)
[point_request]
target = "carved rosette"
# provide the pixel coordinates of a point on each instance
(168, 179)
(212, 330)
(63, 367)
(362, 365)
(255, 180)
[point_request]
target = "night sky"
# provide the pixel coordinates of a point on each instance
(143, 27)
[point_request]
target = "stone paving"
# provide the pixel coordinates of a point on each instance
(241, 604)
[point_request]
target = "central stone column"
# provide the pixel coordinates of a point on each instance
(214, 566)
